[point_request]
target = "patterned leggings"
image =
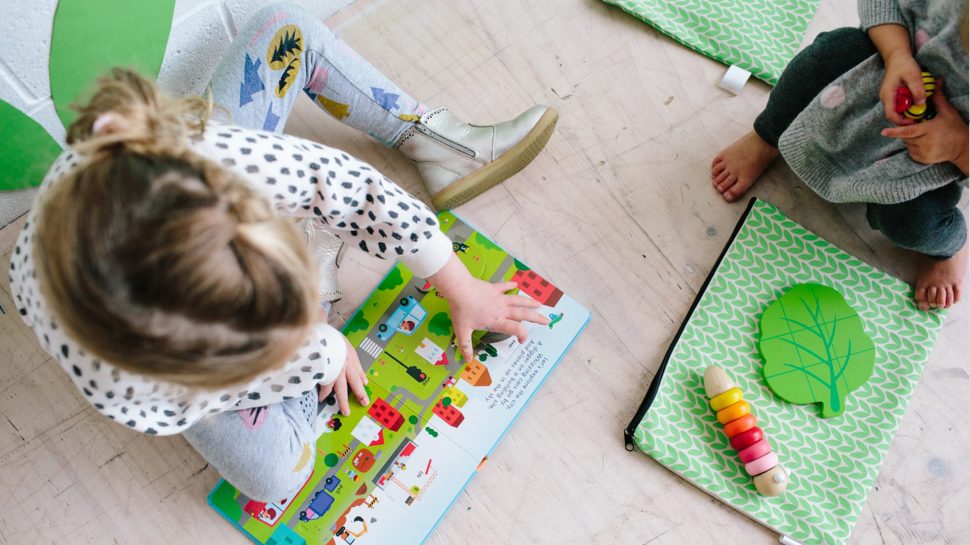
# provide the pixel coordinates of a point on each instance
(268, 452)
(283, 49)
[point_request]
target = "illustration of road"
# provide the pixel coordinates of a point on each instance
(399, 339)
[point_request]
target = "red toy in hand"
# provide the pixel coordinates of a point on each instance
(906, 105)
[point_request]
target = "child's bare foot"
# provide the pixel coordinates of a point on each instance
(939, 282)
(738, 166)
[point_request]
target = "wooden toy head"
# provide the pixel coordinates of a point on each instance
(773, 482)
(716, 381)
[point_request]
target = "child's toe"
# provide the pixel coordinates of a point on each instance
(720, 179)
(940, 297)
(931, 296)
(920, 298)
(727, 183)
(718, 169)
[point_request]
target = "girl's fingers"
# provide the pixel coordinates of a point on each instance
(356, 383)
(463, 336)
(511, 327)
(506, 286)
(914, 81)
(340, 388)
(517, 301)
(323, 391)
(523, 315)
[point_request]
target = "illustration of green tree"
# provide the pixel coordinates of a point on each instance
(393, 280)
(815, 348)
(357, 323)
(484, 242)
(440, 325)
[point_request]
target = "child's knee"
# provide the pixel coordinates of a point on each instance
(278, 478)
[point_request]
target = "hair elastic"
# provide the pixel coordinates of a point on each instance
(101, 122)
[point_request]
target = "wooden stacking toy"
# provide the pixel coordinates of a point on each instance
(907, 106)
(753, 448)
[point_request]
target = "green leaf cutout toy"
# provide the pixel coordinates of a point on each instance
(815, 348)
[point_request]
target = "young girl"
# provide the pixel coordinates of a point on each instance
(162, 268)
(832, 118)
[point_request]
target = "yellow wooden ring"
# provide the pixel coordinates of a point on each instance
(733, 412)
(727, 398)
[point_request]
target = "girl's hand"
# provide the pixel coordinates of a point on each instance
(352, 377)
(901, 69)
(942, 139)
(476, 304)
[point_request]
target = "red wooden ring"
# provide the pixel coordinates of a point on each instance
(755, 451)
(748, 438)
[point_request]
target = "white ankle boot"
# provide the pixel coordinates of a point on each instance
(326, 250)
(458, 160)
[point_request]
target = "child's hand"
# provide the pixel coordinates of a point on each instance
(901, 69)
(481, 305)
(942, 139)
(476, 304)
(352, 376)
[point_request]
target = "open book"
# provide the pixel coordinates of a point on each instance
(389, 472)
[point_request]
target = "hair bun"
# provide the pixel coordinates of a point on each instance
(128, 112)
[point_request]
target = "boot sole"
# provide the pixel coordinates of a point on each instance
(506, 165)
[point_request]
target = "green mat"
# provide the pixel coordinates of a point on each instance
(833, 461)
(760, 36)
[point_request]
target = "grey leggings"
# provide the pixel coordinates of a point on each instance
(265, 452)
(268, 452)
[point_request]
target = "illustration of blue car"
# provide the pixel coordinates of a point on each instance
(405, 319)
(321, 502)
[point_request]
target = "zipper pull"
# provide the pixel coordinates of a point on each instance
(628, 439)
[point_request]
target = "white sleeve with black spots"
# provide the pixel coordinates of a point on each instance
(306, 179)
(146, 404)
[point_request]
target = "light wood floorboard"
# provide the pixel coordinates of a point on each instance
(618, 211)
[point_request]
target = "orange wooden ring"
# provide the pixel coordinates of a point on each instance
(733, 412)
(740, 425)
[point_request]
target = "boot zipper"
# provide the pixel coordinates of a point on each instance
(655, 383)
(441, 139)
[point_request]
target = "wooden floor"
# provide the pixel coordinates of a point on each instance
(641, 119)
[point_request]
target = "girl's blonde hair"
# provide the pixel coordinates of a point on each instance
(161, 262)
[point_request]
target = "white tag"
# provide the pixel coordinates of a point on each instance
(734, 79)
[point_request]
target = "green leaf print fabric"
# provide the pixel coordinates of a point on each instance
(760, 36)
(833, 461)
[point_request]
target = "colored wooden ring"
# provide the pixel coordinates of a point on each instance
(726, 399)
(759, 466)
(740, 425)
(755, 451)
(744, 440)
(733, 412)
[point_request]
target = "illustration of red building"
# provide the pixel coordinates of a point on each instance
(476, 374)
(387, 416)
(537, 287)
(449, 414)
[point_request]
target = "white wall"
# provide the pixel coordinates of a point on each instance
(201, 31)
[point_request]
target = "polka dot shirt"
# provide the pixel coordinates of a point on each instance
(301, 179)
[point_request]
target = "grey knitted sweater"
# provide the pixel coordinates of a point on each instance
(834, 144)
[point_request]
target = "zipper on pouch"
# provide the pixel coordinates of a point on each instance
(655, 383)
